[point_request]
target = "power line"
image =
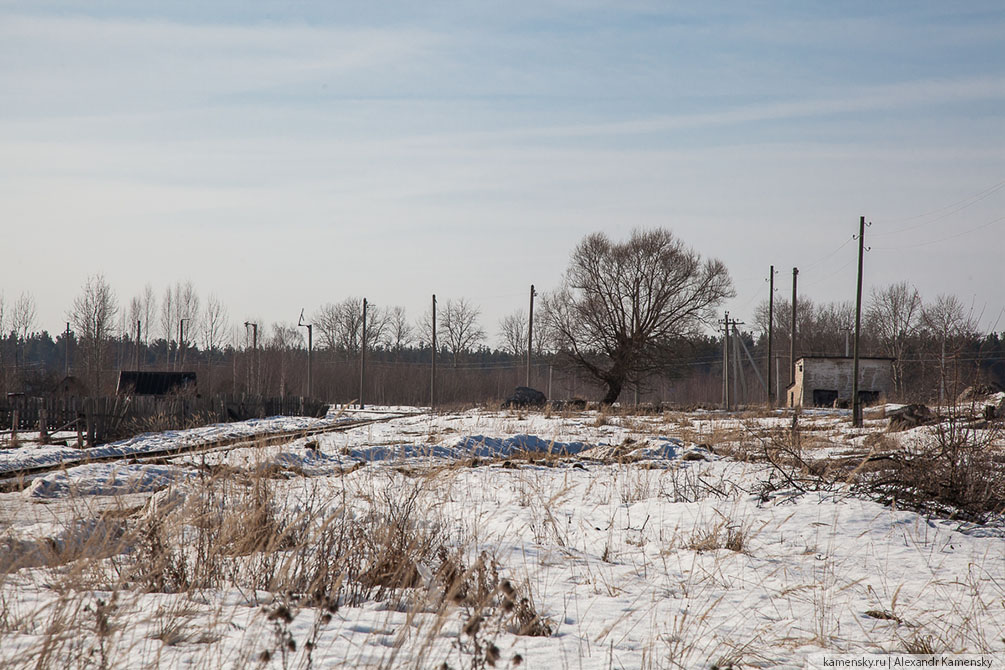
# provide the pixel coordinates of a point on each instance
(953, 208)
(945, 239)
(823, 258)
(833, 274)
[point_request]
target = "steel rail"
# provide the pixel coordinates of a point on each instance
(19, 479)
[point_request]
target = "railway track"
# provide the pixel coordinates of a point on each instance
(19, 479)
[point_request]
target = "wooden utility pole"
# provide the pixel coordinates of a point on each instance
(771, 324)
(432, 354)
(137, 345)
(66, 349)
(530, 332)
(362, 359)
(310, 349)
(725, 362)
(792, 342)
(856, 402)
(726, 356)
(252, 376)
(738, 364)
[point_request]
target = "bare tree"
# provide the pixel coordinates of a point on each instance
(326, 320)
(135, 311)
(893, 315)
(285, 337)
(188, 310)
(3, 336)
(949, 322)
(93, 317)
(400, 333)
(22, 322)
(168, 320)
(822, 329)
(622, 306)
(215, 325)
(341, 325)
(461, 331)
(513, 333)
(148, 308)
(23, 316)
(215, 322)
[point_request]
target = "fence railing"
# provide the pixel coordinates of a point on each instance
(104, 419)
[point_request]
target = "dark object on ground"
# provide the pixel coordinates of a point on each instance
(153, 382)
(524, 396)
(909, 416)
(978, 391)
(573, 403)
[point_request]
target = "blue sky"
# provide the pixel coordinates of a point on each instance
(284, 155)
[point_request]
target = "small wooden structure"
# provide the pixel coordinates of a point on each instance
(156, 383)
(70, 387)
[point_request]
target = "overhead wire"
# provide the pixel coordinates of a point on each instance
(944, 212)
(944, 239)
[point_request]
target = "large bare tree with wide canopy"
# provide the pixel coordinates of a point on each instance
(622, 306)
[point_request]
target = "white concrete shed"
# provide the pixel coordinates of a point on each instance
(826, 381)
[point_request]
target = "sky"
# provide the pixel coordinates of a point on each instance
(283, 155)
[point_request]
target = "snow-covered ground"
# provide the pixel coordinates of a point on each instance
(605, 542)
(62, 447)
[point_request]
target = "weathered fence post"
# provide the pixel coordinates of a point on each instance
(13, 428)
(43, 427)
(89, 417)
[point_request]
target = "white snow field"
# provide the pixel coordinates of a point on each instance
(491, 539)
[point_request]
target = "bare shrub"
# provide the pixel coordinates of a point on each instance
(956, 470)
(723, 535)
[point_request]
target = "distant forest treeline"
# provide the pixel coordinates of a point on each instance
(936, 346)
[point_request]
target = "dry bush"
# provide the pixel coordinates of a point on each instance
(956, 470)
(158, 423)
(723, 535)
(315, 552)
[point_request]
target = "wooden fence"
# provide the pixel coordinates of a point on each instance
(105, 419)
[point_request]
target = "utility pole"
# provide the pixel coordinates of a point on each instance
(792, 342)
(252, 378)
(432, 379)
(66, 349)
(727, 324)
(771, 324)
(362, 359)
(530, 332)
(181, 341)
(856, 402)
(137, 345)
(310, 348)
